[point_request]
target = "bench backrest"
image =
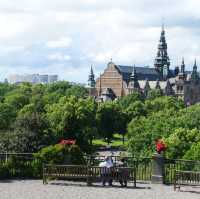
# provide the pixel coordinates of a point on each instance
(66, 170)
(89, 171)
(187, 177)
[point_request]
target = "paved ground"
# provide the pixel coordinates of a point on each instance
(34, 189)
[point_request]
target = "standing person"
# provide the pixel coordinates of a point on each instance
(106, 165)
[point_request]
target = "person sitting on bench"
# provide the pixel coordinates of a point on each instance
(106, 171)
(122, 172)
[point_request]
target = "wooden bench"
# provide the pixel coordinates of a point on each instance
(89, 174)
(191, 178)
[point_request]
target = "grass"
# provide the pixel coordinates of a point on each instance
(116, 142)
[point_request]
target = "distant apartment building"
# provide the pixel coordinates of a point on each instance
(33, 78)
(52, 78)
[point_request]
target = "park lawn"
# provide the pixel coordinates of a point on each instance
(116, 142)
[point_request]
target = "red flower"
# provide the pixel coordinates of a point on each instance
(67, 142)
(160, 146)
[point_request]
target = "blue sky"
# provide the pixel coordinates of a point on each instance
(65, 37)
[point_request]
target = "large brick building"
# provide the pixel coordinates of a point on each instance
(118, 80)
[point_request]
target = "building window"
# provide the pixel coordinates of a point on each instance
(179, 88)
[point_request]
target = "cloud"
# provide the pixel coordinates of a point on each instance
(66, 37)
(64, 42)
(59, 57)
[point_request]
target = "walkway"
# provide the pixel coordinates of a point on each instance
(34, 189)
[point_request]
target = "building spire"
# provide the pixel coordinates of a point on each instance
(195, 75)
(133, 74)
(162, 59)
(195, 64)
(134, 80)
(183, 66)
(181, 74)
(163, 24)
(157, 84)
(91, 80)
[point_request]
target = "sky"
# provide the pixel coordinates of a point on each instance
(66, 37)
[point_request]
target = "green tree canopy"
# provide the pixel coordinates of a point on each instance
(110, 119)
(73, 118)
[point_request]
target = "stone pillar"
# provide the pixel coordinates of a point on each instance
(158, 169)
(67, 159)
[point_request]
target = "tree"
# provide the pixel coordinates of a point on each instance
(7, 116)
(125, 101)
(135, 110)
(78, 91)
(193, 153)
(59, 87)
(4, 89)
(163, 103)
(154, 93)
(37, 98)
(143, 131)
(31, 131)
(73, 118)
(17, 101)
(181, 141)
(53, 92)
(110, 120)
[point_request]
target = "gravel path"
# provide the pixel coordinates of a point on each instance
(34, 189)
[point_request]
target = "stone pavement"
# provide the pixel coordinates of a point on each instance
(34, 189)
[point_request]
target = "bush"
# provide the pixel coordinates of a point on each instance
(57, 154)
(4, 171)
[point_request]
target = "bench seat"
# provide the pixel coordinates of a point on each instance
(89, 174)
(191, 178)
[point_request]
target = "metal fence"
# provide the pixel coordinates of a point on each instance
(143, 166)
(16, 165)
(144, 169)
(20, 165)
(177, 164)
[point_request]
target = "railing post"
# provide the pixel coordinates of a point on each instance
(158, 169)
(6, 157)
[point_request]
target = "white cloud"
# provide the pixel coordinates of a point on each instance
(64, 42)
(36, 33)
(11, 49)
(59, 57)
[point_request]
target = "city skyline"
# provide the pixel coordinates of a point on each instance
(66, 37)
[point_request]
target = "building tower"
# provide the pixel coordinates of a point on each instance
(91, 83)
(91, 80)
(182, 75)
(133, 83)
(162, 61)
(195, 75)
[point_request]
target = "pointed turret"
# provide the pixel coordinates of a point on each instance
(168, 88)
(91, 80)
(182, 75)
(183, 66)
(162, 61)
(134, 79)
(195, 75)
(146, 87)
(157, 84)
(133, 83)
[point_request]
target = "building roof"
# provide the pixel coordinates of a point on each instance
(109, 93)
(142, 72)
(153, 84)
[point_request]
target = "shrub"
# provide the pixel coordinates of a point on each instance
(57, 154)
(4, 171)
